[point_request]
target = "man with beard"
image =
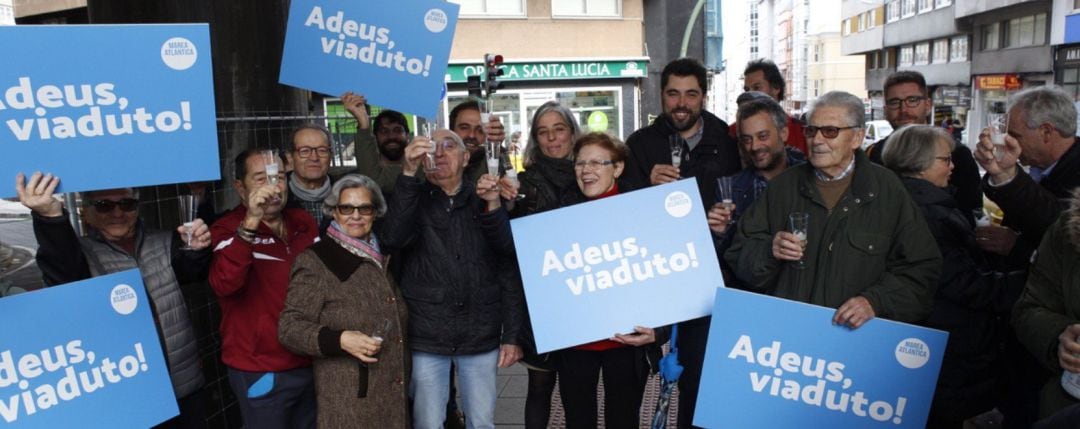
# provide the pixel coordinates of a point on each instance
(309, 182)
(254, 248)
(465, 122)
(762, 133)
(710, 153)
(908, 102)
(762, 75)
(378, 156)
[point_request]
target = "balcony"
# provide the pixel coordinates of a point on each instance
(862, 42)
(965, 8)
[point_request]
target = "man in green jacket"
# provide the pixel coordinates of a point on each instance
(868, 250)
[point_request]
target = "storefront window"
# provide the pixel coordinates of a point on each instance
(596, 109)
(1070, 81)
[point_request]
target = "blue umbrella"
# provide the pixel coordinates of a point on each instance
(670, 370)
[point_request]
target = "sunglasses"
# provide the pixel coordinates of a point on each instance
(829, 132)
(107, 206)
(364, 210)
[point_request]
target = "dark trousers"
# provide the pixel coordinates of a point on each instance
(192, 413)
(691, 342)
(625, 375)
(290, 403)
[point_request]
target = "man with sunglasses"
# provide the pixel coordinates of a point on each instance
(309, 182)
(255, 244)
(907, 102)
(116, 241)
(868, 251)
(458, 278)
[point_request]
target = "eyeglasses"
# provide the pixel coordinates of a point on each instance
(107, 206)
(913, 101)
(592, 165)
(364, 210)
(947, 159)
(446, 144)
(829, 132)
(306, 152)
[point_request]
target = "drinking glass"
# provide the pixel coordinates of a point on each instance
(188, 206)
(427, 129)
(511, 172)
(800, 223)
(981, 217)
(381, 330)
(491, 152)
(999, 127)
(273, 168)
(677, 150)
(727, 195)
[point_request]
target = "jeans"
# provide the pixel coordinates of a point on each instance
(430, 388)
(286, 402)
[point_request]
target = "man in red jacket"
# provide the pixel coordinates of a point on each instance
(254, 247)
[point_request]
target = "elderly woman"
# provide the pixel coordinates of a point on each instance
(969, 295)
(344, 310)
(624, 360)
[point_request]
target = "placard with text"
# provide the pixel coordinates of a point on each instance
(395, 56)
(776, 363)
(644, 258)
(108, 106)
(84, 354)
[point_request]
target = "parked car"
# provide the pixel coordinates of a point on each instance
(876, 130)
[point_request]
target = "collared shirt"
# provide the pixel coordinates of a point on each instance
(693, 140)
(1037, 174)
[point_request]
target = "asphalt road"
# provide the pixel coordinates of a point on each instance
(20, 271)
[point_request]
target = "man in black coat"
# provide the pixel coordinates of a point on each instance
(709, 152)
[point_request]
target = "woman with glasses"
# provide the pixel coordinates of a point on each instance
(549, 173)
(969, 295)
(344, 310)
(624, 360)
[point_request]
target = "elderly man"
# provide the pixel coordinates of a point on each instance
(908, 102)
(309, 182)
(868, 251)
(379, 155)
(1042, 130)
(458, 279)
(762, 75)
(254, 247)
(465, 121)
(116, 241)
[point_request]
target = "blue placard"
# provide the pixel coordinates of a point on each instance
(592, 270)
(85, 354)
(774, 363)
(395, 55)
(107, 106)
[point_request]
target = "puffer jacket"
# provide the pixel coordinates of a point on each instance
(875, 244)
(458, 276)
(1050, 301)
(64, 258)
(542, 184)
(717, 155)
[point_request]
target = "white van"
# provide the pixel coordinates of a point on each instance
(876, 130)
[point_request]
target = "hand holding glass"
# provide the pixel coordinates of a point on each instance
(188, 206)
(999, 127)
(727, 195)
(800, 223)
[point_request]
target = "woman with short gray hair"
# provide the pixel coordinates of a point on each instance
(964, 304)
(344, 310)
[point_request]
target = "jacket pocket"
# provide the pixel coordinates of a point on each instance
(868, 243)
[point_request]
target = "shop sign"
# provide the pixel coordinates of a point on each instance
(997, 81)
(459, 73)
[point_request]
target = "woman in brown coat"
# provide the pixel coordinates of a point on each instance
(344, 310)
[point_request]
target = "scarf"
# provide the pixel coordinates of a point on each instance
(319, 194)
(362, 248)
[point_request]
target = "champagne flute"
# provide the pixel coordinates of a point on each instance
(491, 152)
(677, 150)
(273, 168)
(800, 223)
(188, 205)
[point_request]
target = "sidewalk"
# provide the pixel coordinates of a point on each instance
(512, 385)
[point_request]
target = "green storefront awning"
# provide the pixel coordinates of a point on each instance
(554, 70)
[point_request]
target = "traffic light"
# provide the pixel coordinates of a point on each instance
(492, 73)
(475, 87)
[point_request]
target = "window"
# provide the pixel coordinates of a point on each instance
(862, 22)
(1076, 4)
(818, 47)
(892, 11)
(871, 61)
(926, 5)
(990, 36)
(1026, 31)
(906, 54)
(1070, 81)
(845, 28)
(922, 53)
(942, 3)
(488, 8)
(908, 8)
(585, 8)
(940, 52)
(958, 49)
